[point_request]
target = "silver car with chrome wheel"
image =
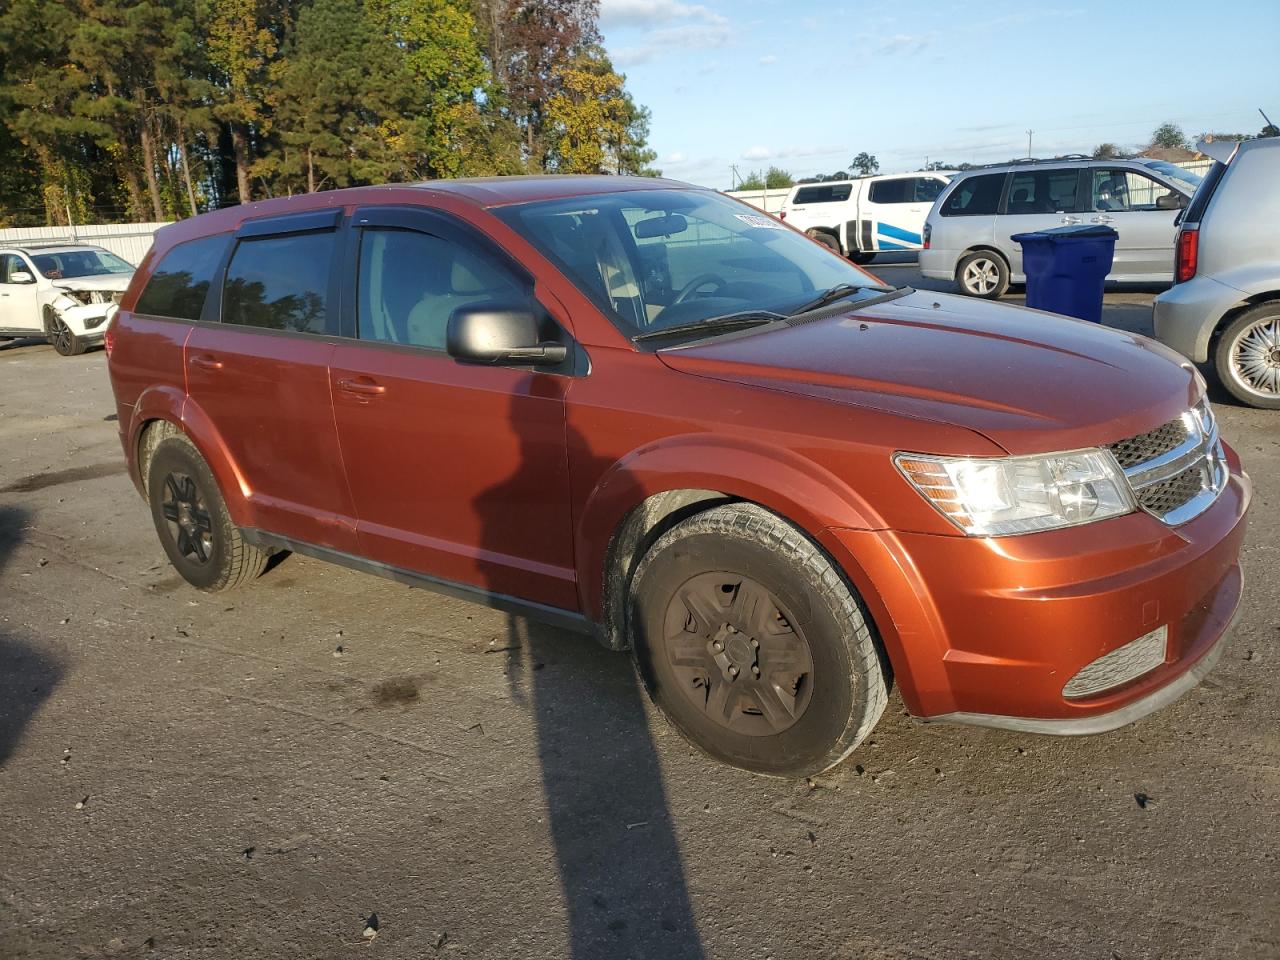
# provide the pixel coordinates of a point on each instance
(1224, 306)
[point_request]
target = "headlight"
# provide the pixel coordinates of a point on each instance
(993, 497)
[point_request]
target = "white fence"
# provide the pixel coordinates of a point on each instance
(129, 241)
(770, 201)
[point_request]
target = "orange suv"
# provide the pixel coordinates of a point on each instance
(647, 412)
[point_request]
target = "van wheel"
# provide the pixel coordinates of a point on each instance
(752, 644)
(860, 257)
(983, 274)
(64, 341)
(826, 239)
(1247, 357)
(191, 518)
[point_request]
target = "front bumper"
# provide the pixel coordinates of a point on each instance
(991, 630)
(1186, 314)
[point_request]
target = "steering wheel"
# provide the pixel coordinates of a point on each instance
(697, 283)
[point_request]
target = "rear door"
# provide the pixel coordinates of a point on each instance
(19, 305)
(458, 471)
(260, 376)
(824, 205)
(1126, 201)
(893, 215)
(1037, 199)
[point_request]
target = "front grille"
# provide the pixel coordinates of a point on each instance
(1178, 469)
(1120, 665)
(1147, 446)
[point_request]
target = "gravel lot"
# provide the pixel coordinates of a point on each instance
(255, 774)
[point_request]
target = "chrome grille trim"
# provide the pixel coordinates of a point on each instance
(1176, 484)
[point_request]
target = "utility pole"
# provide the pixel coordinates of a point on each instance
(1029, 133)
(733, 175)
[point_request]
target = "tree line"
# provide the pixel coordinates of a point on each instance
(160, 109)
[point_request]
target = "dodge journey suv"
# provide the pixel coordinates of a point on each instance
(647, 412)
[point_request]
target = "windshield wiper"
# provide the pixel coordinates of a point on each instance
(838, 292)
(729, 321)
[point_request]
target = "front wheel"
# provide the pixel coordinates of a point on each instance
(826, 239)
(1248, 357)
(752, 644)
(983, 274)
(191, 518)
(64, 340)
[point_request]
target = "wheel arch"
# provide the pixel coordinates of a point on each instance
(1239, 307)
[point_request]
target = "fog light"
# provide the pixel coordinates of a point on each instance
(1120, 665)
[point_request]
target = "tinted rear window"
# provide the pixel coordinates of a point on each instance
(1204, 193)
(1043, 191)
(975, 196)
(180, 282)
(824, 193)
(280, 282)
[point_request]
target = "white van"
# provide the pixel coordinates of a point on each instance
(863, 217)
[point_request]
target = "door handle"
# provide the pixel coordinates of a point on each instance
(205, 362)
(1070, 219)
(362, 387)
(1102, 219)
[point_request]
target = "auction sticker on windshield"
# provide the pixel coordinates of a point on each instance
(765, 223)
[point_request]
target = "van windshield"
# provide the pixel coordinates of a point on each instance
(652, 259)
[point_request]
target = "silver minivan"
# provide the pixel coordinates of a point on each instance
(967, 234)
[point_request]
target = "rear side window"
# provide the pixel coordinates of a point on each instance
(975, 196)
(280, 282)
(824, 193)
(410, 284)
(180, 282)
(1043, 191)
(893, 191)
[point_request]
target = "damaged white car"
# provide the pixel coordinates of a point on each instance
(65, 293)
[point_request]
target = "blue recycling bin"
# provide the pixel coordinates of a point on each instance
(1067, 267)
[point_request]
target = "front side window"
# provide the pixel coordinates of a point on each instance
(73, 264)
(280, 282)
(652, 259)
(1043, 191)
(180, 282)
(927, 189)
(411, 283)
(975, 196)
(1119, 190)
(11, 263)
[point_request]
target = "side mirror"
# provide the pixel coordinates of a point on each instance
(21, 276)
(500, 335)
(1171, 201)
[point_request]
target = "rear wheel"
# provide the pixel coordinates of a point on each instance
(64, 341)
(191, 519)
(753, 645)
(1248, 356)
(983, 274)
(861, 257)
(826, 239)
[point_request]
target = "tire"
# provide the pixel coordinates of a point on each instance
(1247, 356)
(66, 343)
(827, 240)
(984, 274)
(191, 519)
(862, 258)
(808, 685)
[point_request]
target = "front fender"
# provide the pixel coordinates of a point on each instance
(797, 489)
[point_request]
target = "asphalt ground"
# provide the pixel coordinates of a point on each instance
(255, 774)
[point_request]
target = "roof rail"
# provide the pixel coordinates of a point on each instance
(1023, 161)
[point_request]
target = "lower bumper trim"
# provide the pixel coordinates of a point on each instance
(1103, 722)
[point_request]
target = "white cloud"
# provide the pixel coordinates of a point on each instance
(659, 43)
(675, 158)
(758, 153)
(904, 43)
(768, 60)
(648, 13)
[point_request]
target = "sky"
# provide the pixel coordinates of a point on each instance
(807, 85)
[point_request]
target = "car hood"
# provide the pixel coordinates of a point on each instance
(1030, 381)
(112, 282)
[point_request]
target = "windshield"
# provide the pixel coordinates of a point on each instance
(653, 259)
(71, 264)
(1175, 172)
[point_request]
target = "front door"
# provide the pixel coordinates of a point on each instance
(1126, 201)
(19, 307)
(1038, 200)
(260, 377)
(457, 471)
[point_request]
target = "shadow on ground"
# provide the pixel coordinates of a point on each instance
(27, 676)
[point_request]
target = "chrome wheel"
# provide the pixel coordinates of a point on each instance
(981, 276)
(738, 656)
(1255, 358)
